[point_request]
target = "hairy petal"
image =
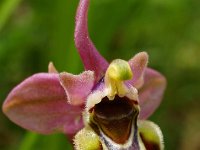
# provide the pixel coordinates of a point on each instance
(150, 135)
(87, 139)
(151, 93)
(39, 104)
(91, 58)
(138, 64)
(77, 87)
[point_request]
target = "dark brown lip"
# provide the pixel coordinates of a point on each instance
(115, 117)
(114, 109)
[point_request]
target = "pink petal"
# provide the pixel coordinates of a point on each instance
(138, 64)
(150, 95)
(39, 104)
(77, 87)
(91, 58)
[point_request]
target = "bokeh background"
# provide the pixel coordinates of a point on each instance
(34, 32)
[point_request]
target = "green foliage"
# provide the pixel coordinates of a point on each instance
(6, 9)
(33, 141)
(34, 32)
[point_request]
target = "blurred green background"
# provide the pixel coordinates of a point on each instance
(34, 32)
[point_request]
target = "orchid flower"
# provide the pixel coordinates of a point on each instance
(105, 107)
